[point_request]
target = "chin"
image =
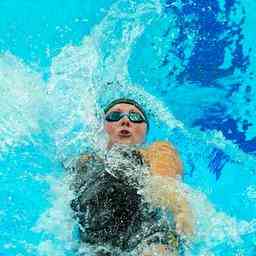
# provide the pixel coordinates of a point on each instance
(123, 142)
(128, 142)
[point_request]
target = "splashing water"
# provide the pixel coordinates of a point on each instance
(138, 49)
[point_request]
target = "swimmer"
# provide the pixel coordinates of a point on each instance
(121, 201)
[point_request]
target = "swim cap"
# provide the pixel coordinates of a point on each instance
(127, 101)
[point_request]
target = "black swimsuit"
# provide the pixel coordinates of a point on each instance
(109, 209)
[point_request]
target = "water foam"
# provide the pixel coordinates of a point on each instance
(20, 100)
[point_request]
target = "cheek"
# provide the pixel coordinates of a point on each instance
(109, 128)
(140, 132)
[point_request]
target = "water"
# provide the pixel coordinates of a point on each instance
(191, 63)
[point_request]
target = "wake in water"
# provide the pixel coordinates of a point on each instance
(44, 123)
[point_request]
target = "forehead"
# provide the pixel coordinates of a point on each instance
(124, 107)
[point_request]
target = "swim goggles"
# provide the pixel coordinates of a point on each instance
(134, 117)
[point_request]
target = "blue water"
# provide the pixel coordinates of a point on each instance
(191, 63)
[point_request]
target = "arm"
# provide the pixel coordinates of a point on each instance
(163, 188)
(166, 192)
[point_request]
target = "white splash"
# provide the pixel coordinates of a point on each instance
(21, 98)
(213, 227)
(85, 78)
(57, 220)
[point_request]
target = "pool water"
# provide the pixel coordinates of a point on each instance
(190, 62)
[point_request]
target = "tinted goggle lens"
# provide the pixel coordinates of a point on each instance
(134, 117)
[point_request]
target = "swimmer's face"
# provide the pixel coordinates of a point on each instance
(125, 131)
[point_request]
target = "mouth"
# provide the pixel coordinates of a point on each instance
(125, 133)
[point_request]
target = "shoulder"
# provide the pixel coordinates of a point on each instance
(83, 160)
(162, 147)
(159, 145)
(163, 158)
(76, 163)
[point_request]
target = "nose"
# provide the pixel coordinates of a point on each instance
(125, 121)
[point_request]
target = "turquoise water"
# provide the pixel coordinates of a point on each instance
(191, 63)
